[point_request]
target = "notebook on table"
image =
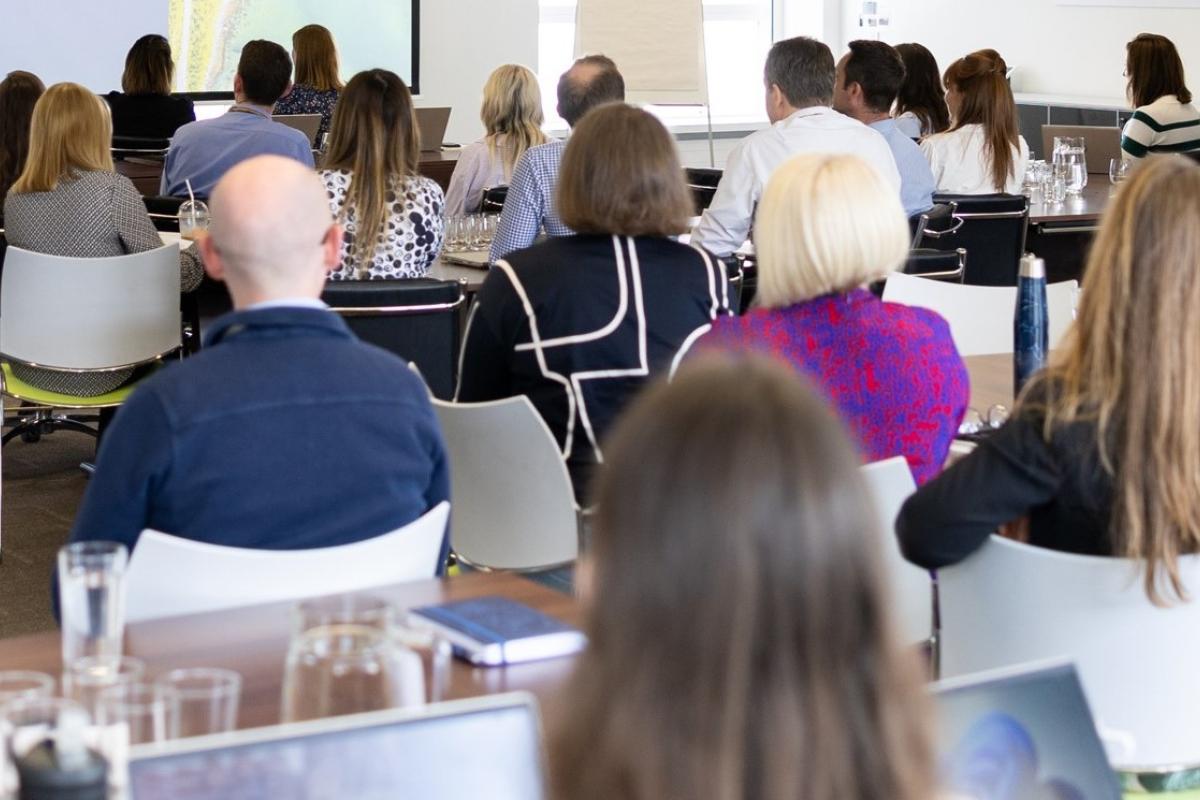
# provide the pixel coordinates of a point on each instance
(308, 124)
(1021, 733)
(463, 750)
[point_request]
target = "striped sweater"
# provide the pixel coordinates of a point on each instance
(1164, 126)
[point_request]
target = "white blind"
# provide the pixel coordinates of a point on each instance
(657, 44)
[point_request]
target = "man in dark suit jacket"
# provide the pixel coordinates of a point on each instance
(285, 432)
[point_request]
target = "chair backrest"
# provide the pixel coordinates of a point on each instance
(937, 265)
(992, 232)
(419, 320)
(89, 313)
(514, 507)
(890, 482)
(981, 317)
(169, 576)
(1010, 603)
(938, 219)
(493, 199)
(164, 211)
(703, 184)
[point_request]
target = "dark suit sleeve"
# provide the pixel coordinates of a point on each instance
(486, 359)
(1005, 477)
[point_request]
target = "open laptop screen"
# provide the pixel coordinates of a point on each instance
(1025, 733)
(483, 750)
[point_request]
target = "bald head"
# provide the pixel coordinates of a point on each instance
(591, 81)
(271, 231)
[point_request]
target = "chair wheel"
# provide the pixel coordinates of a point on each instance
(30, 437)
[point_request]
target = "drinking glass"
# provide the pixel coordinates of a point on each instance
(91, 596)
(1118, 170)
(1071, 151)
(193, 219)
(208, 699)
(85, 678)
(473, 232)
(454, 234)
(149, 711)
(19, 684)
(1054, 184)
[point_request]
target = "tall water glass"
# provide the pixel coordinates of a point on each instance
(454, 234)
(91, 596)
(1071, 151)
(208, 699)
(85, 678)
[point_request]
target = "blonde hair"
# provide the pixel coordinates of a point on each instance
(316, 58)
(71, 132)
(826, 223)
(512, 114)
(1131, 366)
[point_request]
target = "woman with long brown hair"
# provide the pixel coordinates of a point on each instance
(316, 86)
(512, 118)
(983, 152)
(1164, 119)
(19, 92)
(921, 106)
(1101, 455)
(740, 641)
(393, 217)
(145, 107)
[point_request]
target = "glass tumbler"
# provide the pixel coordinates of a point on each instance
(208, 699)
(91, 596)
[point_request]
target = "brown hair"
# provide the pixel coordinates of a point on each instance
(372, 136)
(19, 92)
(922, 93)
(1130, 365)
(621, 175)
(1154, 69)
(740, 642)
(71, 132)
(512, 114)
(316, 58)
(265, 69)
(987, 100)
(148, 66)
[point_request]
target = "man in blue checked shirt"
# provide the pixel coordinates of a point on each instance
(529, 206)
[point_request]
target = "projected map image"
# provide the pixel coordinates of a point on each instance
(207, 35)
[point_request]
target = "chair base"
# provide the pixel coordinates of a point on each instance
(33, 427)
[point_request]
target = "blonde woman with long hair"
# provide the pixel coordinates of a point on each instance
(393, 217)
(1101, 455)
(512, 116)
(316, 86)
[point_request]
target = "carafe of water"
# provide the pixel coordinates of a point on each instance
(1071, 152)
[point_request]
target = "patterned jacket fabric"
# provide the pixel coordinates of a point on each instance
(307, 100)
(890, 370)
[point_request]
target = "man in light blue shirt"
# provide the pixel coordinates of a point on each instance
(867, 82)
(529, 205)
(201, 152)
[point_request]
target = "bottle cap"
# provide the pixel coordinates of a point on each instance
(1032, 266)
(62, 767)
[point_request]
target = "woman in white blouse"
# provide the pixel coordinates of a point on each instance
(512, 117)
(983, 152)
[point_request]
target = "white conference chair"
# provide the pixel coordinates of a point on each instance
(981, 317)
(890, 482)
(514, 506)
(1140, 664)
(169, 576)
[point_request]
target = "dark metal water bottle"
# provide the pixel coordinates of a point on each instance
(1031, 328)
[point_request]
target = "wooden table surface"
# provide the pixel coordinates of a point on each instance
(991, 380)
(254, 642)
(1085, 208)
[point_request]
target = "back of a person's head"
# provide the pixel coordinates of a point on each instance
(621, 175)
(373, 135)
(591, 81)
(149, 68)
(265, 69)
(19, 93)
(512, 108)
(740, 645)
(825, 224)
(803, 69)
(877, 68)
(1131, 364)
(316, 58)
(922, 92)
(1154, 70)
(986, 99)
(71, 132)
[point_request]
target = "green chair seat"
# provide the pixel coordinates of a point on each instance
(21, 390)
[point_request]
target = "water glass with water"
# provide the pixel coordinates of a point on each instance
(207, 697)
(91, 597)
(1071, 151)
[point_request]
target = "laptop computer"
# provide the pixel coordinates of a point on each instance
(1024, 732)
(1103, 143)
(308, 124)
(462, 750)
(432, 123)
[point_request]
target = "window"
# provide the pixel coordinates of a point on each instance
(737, 36)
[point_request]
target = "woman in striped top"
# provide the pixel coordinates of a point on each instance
(1165, 120)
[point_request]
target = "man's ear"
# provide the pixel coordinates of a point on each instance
(333, 247)
(211, 257)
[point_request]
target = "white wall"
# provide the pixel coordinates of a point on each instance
(1063, 50)
(462, 41)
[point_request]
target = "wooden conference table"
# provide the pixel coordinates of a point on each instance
(991, 380)
(254, 641)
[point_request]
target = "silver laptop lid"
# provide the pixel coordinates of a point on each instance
(462, 750)
(1025, 732)
(432, 123)
(308, 124)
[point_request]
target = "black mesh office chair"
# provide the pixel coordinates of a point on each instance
(990, 227)
(703, 185)
(493, 200)
(419, 320)
(939, 265)
(164, 211)
(938, 219)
